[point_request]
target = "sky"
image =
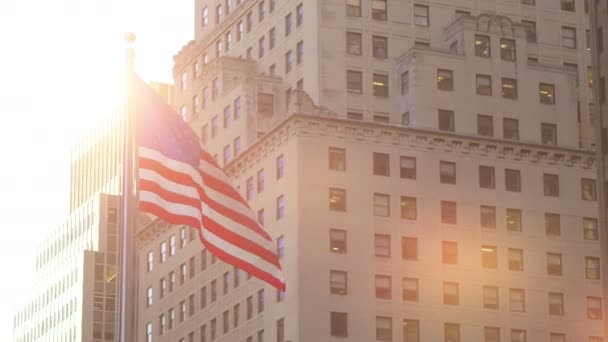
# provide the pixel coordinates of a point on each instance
(61, 71)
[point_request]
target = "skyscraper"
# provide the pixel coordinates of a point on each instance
(427, 170)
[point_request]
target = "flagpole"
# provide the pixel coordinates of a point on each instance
(127, 329)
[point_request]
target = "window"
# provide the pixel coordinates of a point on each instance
(514, 220)
(552, 224)
(299, 15)
(380, 83)
(339, 324)
(516, 259)
(449, 252)
(183, 238)
(163, 251)
(556, 304)
(482, 46)
(518, 335)
(299, 57)
(218, 50)
(281, 330)
(383, 287)
(421, 15)
(205, 16)
(569, 37)
(512, 180)
(280, 207)
(213, 328)
(411, 330)
(551, 184)
(405, 83)
(484, 85)
(567, 5)
(486, 177)
(485, 125)
(588, 189)
(451, 332)
(490, 297)
(261, 301)
(489, 256)
(288, 61)
(555, 337)
(162, 287)
(382, 245)
(228, 42)
(509, 88)
(260, 180)
(337, 199)
(410, 289)
(447, 172)
(237, 146)
(172, 245)
(548, 134)
(337, 159)
(384, 328)
(249, 53)
(517, 300)
(445, 79)
(353, 8)
(261, 11)
(249, 307)
(592, 268)
(354, 81)
(446, 120)
(162, 324)
(191, 267)
(227, 117)
(353, 43)
(530, 27)
(266, 103)
(510, 129)
(448, 212)
(507, 49)
(287, 24)
(590, 231)
(148, 332)
(261, 217)
(337, 241)
(338, 282)
(491, 334)
(381, 166)
(380, 47)
(281, 247)
(554, 264)
(407, 167)
(379, 9)
(261, 46)
(382, 205)
(182, 311)
(408, 208)
(594, 308)
(149, 297)
(488, 216)
(150, 261)
(450, 293)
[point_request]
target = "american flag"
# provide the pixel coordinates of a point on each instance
(182, 184)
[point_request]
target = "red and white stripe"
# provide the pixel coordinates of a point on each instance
(230, 229)
(169, 189)
(205, 199)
